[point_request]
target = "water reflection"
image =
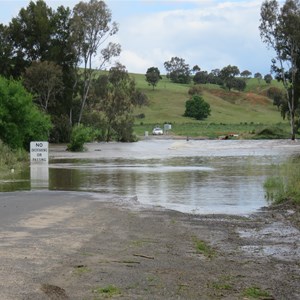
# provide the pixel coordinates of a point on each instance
(191, 184)
(198, 177)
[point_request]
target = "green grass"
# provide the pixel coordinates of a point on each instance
(256, 293)
(214, 130)
(107, 292)
(230, 111)
(203, 248)
(284, 185)
(167, 103)
(11, 159)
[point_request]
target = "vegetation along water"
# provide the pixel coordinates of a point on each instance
(50, 89)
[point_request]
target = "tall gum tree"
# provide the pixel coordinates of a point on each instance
(279, 29)
(91, 27)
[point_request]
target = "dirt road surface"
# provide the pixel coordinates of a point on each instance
(71, 245)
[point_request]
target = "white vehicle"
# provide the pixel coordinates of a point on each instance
(157, 131)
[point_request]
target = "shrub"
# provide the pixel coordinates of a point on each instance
(11, 159)
(197, 108)
(21, 121)
(272, 132)
(80, 135)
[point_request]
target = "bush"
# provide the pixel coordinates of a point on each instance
(11, 159)
(197, 108)
(80, 135)
(285, 184)
(271, 133)
(21, 121)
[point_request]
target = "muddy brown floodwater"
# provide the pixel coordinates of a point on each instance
(86, 244)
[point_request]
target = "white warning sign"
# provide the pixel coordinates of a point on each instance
(39, 152)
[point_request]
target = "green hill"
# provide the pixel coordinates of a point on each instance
(243, 113)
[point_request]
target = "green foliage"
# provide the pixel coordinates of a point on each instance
(80, 135)
(153, 76)
(203, 248)
(178, 70)
(228, 75)
(268, 78)
(256, 293)
(107, 292)
(285, 184)
(44, 80)
(197, 108)
(195, 90)
(11, 159)
(20, 120)
(270, 132)
(117, 101)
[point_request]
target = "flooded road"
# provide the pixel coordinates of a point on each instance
(189, 176)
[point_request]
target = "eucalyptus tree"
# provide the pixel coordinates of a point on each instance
(178, 70)
(44, 80)
(91, 27)
(246, 74)
(228, 74)
(153, 76)
(31, 31)
(279, 29)
(6, 50)
(258, 76)
(117, 103)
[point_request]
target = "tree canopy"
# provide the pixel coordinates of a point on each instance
(153, 76)
(177, 70)
(279, 29)
(228, 75)
(197, 108)
(20, 120)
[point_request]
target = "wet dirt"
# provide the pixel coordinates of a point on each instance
(80, 245)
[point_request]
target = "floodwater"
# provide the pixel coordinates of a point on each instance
(198, 177)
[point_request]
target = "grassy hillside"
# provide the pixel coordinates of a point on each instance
(240, 112)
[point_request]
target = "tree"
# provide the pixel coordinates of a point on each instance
(246, 74)
(195, 90)
(277, 95)
(44, 80)
(238, 84)
(268, 78)
(153, 76)
(228, 74)
(258, 76)
(279, 29)
(196, 69)
(6, 52)
(118, 98)
(201, 77)
(31, 31)
(197, 108)
(177, 70)
(91, 27)
(214, 77)
(20, 120)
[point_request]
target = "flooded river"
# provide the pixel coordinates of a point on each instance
(188, 176)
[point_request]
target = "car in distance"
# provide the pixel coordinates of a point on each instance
(157, 131)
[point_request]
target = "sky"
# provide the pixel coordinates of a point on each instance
(209, 33)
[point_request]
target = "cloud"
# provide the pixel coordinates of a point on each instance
(211, 34)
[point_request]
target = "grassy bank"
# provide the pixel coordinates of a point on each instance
(285, 184)
(11, 160)
(243, 113)
(215, 130)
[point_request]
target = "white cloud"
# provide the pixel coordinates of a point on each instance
(211, 35)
